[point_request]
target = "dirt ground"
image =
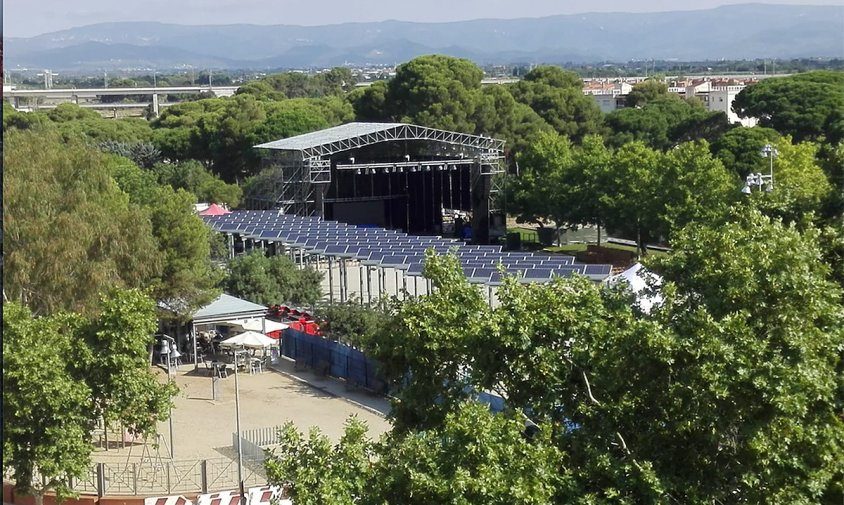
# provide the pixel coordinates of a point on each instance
(203, 427)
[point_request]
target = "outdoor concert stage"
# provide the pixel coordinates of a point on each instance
(391, 175)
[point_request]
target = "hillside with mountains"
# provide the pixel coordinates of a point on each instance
(734, 32)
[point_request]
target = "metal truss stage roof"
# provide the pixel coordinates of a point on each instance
(355, 135)
(384, 248)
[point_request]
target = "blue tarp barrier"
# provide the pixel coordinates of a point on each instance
(332, 358)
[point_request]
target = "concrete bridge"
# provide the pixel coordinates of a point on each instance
(63, 95)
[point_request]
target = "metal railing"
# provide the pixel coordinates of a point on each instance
(255, 441)
(166, 477)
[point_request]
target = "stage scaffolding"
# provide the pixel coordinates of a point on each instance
(301, 169)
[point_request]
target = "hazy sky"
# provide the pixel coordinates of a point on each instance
(24, 18)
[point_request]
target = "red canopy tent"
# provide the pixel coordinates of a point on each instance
(214, 210)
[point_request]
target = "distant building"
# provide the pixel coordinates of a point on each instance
(716, 95)
(721, 100)
(608, 95)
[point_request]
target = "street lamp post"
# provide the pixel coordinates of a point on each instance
(239, 440)
(759, 179)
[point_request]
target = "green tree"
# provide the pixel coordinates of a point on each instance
(351, 322)
(63, 372)
(499, 115)
(740, 148)
(370, 102)
(177, 132)
(262, 90)
(557, 96)
(74, 121)
(139, 185)
(434, 352)
(808, 106)
(143, 154)
(555, 183)
(69, 229)
(71, 112)
(728, 391)
(695, 188)
(664, 122)
(12, 119)
(800, 186)
(758, 330)
(473, 457)
(436, 91)
(188, 278)
(630, 197)
(46, 412)
(275, 279)
(646, 91)
(193, 177)
(315, 472)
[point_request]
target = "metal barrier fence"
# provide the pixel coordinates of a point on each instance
(334, 359)
(255, 441)
(166, 477)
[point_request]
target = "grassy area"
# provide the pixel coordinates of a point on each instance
(575, 248)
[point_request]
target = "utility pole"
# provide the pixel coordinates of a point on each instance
(105, 79)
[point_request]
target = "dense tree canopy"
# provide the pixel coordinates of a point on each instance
(334, 82)
(646, 91)
(63, 372)
(703, 400)
(270, 280)
(474, 457)
(221, 132)
(740, 148)
(728, 391)
(663, 122)
(436, 91)
(557, 182)
(68, 228)
(193, 177)
(807, 106)
(557, 96)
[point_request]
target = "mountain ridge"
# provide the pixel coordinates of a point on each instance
(742, 31)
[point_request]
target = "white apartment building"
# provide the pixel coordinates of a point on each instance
(721, 100)
(714, 95)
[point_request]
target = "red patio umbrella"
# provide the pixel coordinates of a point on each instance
(214, 210)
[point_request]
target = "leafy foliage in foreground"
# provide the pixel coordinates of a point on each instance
(474, 457)
(63, 372)
(728, 391)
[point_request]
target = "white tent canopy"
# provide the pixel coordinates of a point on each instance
(644, 284)
(249, 340)
(256, 325)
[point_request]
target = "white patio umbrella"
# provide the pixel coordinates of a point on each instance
(249, 340)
